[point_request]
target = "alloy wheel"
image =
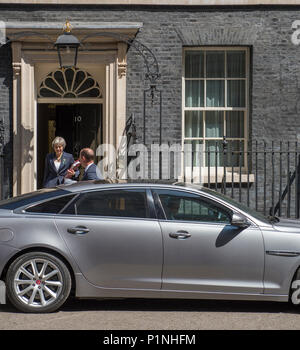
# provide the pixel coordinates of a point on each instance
(38, 283)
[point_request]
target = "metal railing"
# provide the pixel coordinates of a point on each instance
(265, 177)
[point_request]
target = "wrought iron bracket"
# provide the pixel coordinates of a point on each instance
(151, 64)
(16, 37)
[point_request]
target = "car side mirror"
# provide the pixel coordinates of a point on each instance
(239, 221)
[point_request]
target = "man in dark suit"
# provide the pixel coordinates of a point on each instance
(91, 171)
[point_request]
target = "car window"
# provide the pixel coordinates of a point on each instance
(239, 205)
(29, 198)
(186, 206)
(53, 206)
(121, 203)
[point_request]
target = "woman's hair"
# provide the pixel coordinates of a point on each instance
(59, 141)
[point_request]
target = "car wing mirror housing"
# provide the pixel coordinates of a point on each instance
(239, 221)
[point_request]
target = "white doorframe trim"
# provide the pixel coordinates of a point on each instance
(25, 63)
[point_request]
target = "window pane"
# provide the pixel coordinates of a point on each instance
(91, 93)
(214, 153)
(52, 207)
(190, 207)
(235, 153)
(209, 91)
(214, 93)
(49, 82)
(58, 76)
(193, 153)
(88, 83)
(235, 124)
(194, 93)
(193, 124)
(214, 124)
(122, 203)
(31, 197)
(236, 93)
(48, 93)
(69, 74)
(80, 76)
(215, 64)
(236, 64)
(194, 63)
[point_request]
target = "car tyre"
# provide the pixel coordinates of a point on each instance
(38, 282)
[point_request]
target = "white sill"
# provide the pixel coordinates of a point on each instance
(229, 178)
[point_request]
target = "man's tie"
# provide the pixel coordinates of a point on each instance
(81, 173)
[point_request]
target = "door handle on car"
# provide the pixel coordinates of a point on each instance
(180, 235)
(78, 230)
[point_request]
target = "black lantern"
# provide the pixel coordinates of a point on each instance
(67, 46)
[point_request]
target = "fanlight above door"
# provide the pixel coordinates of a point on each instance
(69, 83)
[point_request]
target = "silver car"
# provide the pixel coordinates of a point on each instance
(95, 240)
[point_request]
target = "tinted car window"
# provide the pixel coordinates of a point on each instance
(122, 203)
(239, 205)
(191, 207)
(28, 198)
(53, 206)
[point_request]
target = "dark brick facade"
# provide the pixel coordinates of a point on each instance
(6, 118)
(275, 61)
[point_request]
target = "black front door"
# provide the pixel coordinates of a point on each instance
(78, 124)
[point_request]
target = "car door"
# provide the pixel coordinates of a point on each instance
(203, 252)
(114, 238)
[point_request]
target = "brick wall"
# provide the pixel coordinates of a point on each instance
(6, 117)
(275, 61)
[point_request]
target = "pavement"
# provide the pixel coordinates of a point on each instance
(154, 314)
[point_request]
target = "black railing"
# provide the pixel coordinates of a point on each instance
(264, 177)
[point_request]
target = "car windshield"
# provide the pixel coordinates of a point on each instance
(27, 198)
(231, 201)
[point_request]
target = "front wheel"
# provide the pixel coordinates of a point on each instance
(38, 282)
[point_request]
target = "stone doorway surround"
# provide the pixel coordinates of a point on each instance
(29, 53)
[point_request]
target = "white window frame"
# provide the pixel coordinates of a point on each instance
(204, 171)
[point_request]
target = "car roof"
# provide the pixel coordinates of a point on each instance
(95, 184)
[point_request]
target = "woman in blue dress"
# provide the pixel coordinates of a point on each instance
(57, 164)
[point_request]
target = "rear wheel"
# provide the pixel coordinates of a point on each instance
(38, 282)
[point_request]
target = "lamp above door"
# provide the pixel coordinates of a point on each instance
(67, 46)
